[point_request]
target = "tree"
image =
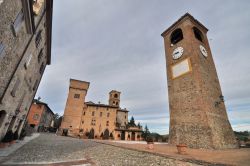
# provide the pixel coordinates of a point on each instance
(57, 120)
(139, 125)
(132, 122)
(145, 133)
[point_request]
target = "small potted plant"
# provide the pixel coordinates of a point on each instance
(150, 143)
(182, 148)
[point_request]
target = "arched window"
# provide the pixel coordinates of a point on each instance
(116, 95)
(198, 34)
(176, 36)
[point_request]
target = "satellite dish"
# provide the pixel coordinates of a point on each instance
(171, 44)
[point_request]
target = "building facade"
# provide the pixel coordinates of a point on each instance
(25, 50)
(96, 120)
(40, 117)
(198, 116)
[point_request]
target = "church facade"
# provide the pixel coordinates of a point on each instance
(95, 120)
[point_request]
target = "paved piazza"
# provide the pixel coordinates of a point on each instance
(57, 150)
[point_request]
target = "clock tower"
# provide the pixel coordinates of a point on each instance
(198, 116)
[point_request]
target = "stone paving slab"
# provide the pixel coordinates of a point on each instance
(48, 149)
(200, 156)
(10, 149)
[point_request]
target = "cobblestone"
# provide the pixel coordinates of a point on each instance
(48, 148)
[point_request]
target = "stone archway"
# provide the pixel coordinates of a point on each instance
(12, 122)
(123, 135)
(92, 134)
(2, 117)
(133, 136)
(106, 134)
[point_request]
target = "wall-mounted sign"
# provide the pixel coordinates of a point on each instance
(181, 68)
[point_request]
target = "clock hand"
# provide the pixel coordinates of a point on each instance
(176, 53)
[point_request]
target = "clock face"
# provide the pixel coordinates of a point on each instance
(203, 51)
(177, 53)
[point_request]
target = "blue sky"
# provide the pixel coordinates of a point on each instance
(117, 44)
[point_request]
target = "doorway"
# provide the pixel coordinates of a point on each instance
(12, 122)
(123, 135)
(133, 136)
(2, 117)
(106, 134)
(92, 134)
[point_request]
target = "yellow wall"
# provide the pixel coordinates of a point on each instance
(100, 121)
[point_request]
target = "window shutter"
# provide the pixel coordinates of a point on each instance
(1, 49)
(35, 85)
(17, 23)
(28, 61)
(13, 92)
(38, 38)
(40, 55)
(41, 68)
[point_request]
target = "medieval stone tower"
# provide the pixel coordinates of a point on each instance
(114, 98)
(74, 105)
(198, 115)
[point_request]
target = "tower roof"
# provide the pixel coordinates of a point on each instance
(78, 84)
(187, 15)
(114, 91)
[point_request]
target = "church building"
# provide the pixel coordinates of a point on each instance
(95, 120)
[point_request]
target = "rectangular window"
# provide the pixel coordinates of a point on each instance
(93, 122)
(27, 63)
(17, 23)
(41, 68)
(1, 49)
(100, 114)
(77, 96)
(93, 113)
(20, 102)
(35, 85)
(108, 114)
(38, 38)
(28, 83)
(40, 55)
(107, 124)
(83, 113)
(16, 86)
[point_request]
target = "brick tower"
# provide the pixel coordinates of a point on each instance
(114, 98)
(74, 106)
(198, 115)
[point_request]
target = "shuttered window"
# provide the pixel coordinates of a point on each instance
(38, 38)
(1, 49)
(41, 68)
(17, 23)
(16, 86)
(40, 55)
(27, 63)
(35, 85)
